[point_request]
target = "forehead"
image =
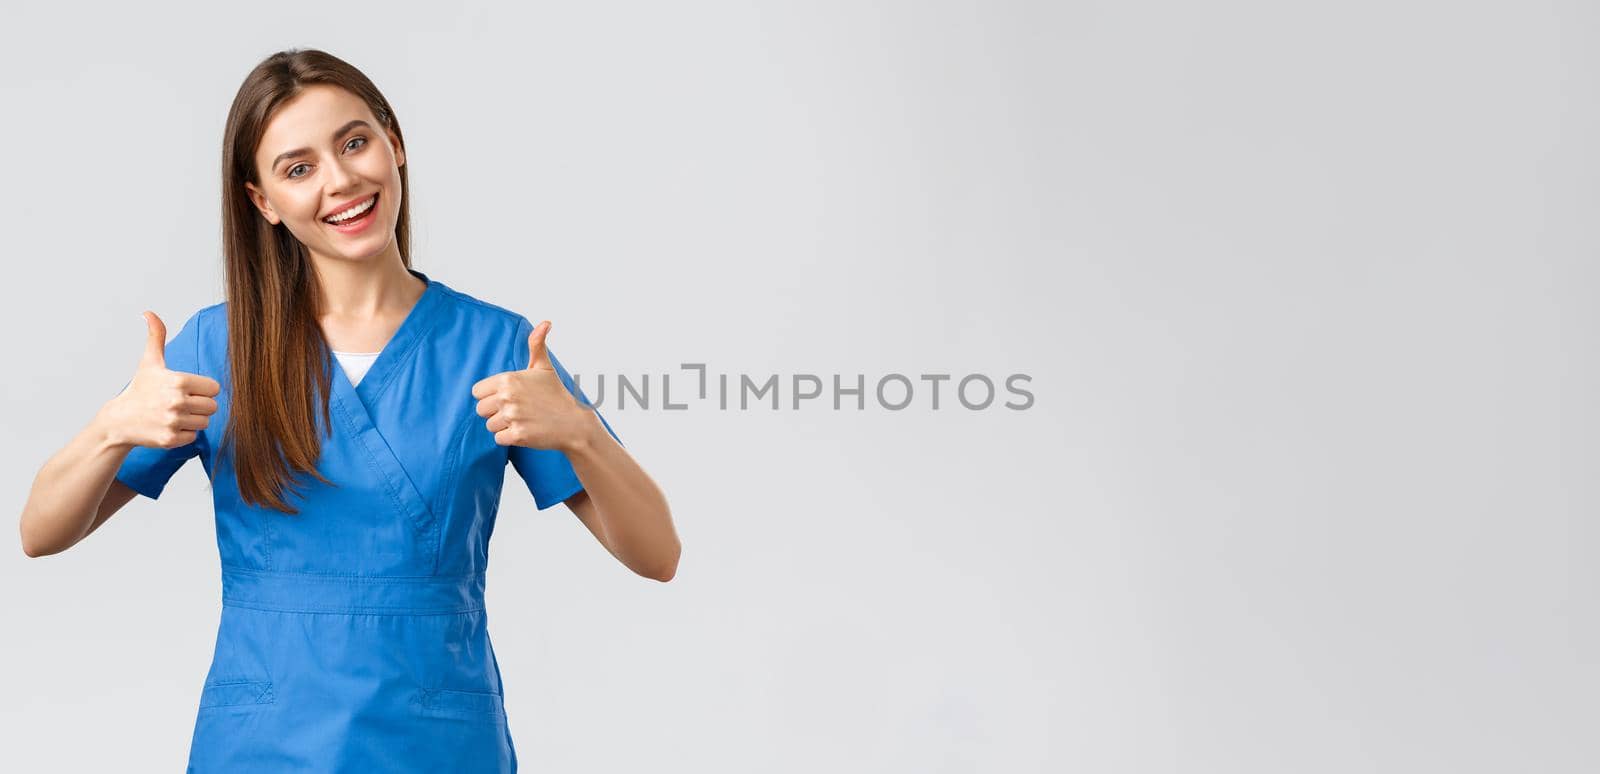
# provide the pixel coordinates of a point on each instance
(308, 119)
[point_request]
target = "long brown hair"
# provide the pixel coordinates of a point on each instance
(277, 355)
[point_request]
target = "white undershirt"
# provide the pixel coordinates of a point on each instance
(355, 364)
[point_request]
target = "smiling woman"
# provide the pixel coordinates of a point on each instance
(353, 508)
(308, 138)
(329, 195)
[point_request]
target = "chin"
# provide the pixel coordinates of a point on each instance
(371, 247)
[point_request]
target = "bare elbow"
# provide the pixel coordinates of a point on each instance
(31, 547)
(34, 550)
(28, 548)
(666, 572)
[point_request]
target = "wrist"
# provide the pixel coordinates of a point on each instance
(589, 435)
(104, 429)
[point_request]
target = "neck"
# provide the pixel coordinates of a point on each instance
(368, 289)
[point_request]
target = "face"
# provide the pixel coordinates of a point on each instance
(323, 153)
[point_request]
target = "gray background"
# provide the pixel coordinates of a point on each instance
(1306, 291)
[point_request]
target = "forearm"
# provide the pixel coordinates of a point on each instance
(632, 510)
(68, 489)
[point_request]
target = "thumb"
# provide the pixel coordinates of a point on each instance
(538, 354)
(155, 344)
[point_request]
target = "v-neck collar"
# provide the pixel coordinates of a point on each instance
(354, 409)
(399, 348)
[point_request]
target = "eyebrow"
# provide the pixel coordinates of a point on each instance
(336, 135)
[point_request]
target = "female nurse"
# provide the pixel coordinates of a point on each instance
(356, 418)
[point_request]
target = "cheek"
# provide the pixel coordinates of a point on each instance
(389, 179)
(293, 208)
(306, 215)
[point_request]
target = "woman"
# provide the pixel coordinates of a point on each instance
(361, 457)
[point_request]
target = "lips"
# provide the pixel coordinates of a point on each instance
(361, 224)
(352, 205)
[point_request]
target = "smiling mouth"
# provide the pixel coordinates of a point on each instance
(371, 207)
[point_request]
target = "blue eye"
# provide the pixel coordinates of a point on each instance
(289, 173)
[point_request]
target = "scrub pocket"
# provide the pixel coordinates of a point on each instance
(239, 676)
(466, 705)
(236, 693)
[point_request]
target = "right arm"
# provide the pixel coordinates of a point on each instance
(76, 490)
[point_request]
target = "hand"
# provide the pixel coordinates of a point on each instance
(532, 407)
(160, 408)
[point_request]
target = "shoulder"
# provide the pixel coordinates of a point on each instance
(197, 344)
(482, 314)
(205, 316)
(491, 327)
(210, 325)
(212, 316)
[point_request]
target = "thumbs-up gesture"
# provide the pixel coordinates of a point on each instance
(531, 407)
(161, 408)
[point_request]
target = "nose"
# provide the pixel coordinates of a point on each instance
(339, 179)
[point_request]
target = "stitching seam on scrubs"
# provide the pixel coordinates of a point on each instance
(568, 496)
(475, 702)
(390, 486)
(466, 299)
(353, 610)
(452, 468)
(340, 577)
(135, 483)
(233, 693)
(383, 370)
(453, 462)
(266, 536)
(518, 341)
(199, 368)
(295, 592)
(537, 485)
(411, 346)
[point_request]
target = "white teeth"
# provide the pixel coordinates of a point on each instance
(353, 211)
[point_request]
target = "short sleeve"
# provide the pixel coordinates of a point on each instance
(547, 472)
(147, 469)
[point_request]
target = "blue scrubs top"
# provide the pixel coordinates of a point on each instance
(353, 635)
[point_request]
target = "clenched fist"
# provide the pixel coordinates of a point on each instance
(532, 407)
(160, 408)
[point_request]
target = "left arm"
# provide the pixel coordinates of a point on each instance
(621, 505)
(535, 407)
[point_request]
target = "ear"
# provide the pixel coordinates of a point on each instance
(259, 199)
(399, 152)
